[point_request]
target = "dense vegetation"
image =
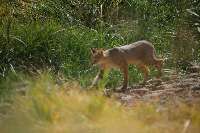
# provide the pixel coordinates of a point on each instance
(39, 38)
(48, 108)
(57, 34)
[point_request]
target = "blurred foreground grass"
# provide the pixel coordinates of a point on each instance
(46, 107)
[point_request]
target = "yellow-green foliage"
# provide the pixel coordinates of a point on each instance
(49, 108)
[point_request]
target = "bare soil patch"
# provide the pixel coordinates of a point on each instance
(171, 89)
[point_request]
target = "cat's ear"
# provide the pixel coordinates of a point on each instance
(93, 50)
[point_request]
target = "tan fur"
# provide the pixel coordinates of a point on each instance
(141, 54)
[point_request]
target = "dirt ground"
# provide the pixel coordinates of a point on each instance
(171, 88)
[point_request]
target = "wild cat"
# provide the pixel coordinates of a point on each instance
(140, 53)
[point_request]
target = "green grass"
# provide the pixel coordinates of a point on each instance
(57, 35)
(48, 108)
(38, 46)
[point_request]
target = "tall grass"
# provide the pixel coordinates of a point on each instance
(57, 34)
(47, 107)
(51, 45)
